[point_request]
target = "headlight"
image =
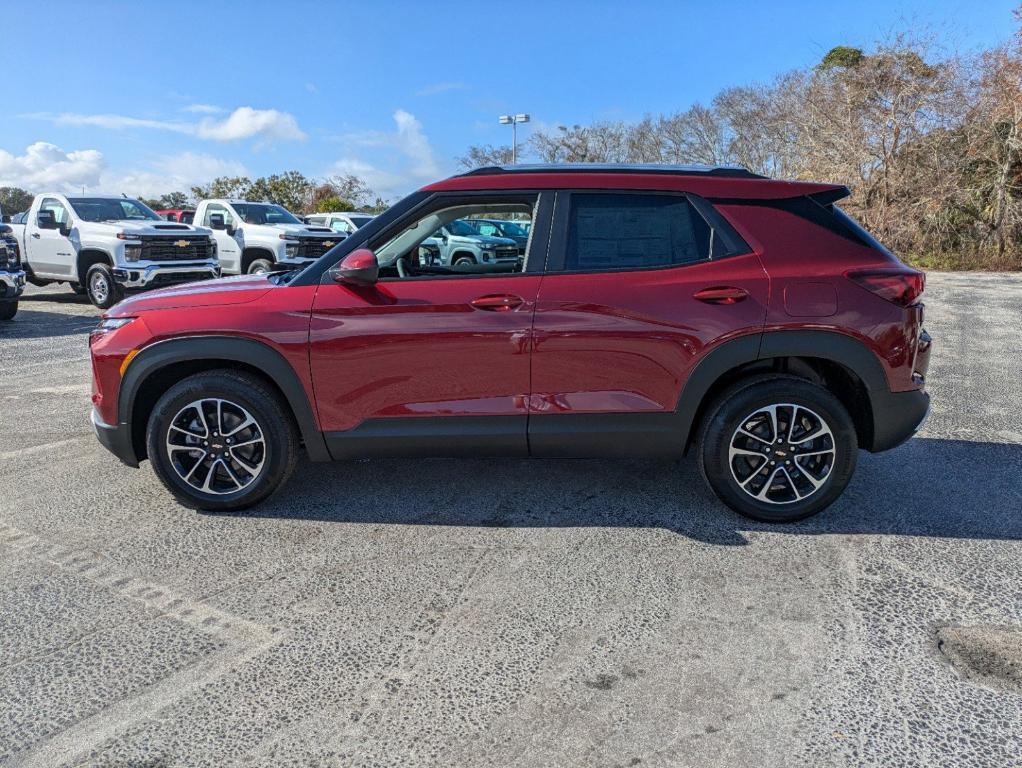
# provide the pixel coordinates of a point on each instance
(487, 255)
(107, 325)
(133, 252)
(291, 250)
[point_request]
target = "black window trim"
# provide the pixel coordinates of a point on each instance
(558, 248)
(535, 258)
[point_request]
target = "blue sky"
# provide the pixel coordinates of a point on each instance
(147, 98)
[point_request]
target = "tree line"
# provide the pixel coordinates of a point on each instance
(930, 145)
(291, 189)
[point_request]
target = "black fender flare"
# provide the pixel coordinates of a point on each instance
(158, 356)
(750, 348)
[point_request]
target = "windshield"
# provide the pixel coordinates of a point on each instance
(512, 229)
(459, 228)
(360, 221)
(111, 209)
(264, 213)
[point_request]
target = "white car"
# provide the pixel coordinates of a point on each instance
(103, 245)
(254, 238)
(344, 222)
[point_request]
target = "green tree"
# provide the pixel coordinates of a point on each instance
(332, 203)
(14, 200)
(289, 189)
(223, 186)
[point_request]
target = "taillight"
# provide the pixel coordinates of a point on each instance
(900, 285)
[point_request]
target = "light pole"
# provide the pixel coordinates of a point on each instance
(513, 121)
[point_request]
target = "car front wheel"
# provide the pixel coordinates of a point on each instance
(221, 441)
(260, 267)
(777, 448)
(8, 309)
(101, 288)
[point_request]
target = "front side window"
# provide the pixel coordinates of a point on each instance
(59, 211)
(634, 231)
(213, 209)
(340, 225)
(442, 243)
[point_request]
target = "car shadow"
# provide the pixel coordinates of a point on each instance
(927, 487)
(50, 297)
(32, 323)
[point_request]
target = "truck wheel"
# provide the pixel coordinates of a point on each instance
(777, 448)
(221, 441)
(103, 292)
(8, 309)
(260, 267)
(463, 260)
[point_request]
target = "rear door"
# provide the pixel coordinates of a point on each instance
(638, 286)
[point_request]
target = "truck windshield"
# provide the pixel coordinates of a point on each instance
(459, 228)
(110, 209)
(264, 213)
(360, 221)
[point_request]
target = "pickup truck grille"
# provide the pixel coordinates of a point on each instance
(12, 257)
(183, 248)
(508, 252)
(314, 247)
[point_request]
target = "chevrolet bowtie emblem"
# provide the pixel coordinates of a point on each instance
(181, 243)
(328, 243)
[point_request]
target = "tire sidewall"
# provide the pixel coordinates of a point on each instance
(114, 293)
(256, 263)
(268, 415)
(735, 407)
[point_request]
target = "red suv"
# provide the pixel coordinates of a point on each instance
(657, 311)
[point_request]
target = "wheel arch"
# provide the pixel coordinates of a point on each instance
(89, 256)
(253, 252)
(841, 363)
(164, 363)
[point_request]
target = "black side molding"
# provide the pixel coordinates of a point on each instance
(228, 348)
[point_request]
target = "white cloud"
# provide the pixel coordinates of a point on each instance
(47, 166)
(247, 123)
(242, 123)
(203, 109)
(171, 173)
(412, 160)
(435, 88)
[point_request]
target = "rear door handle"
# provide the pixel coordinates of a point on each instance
(721, 294)
(501, 302)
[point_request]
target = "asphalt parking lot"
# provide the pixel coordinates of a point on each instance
(525, 613)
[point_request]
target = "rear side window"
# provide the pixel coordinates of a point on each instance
(634, 231)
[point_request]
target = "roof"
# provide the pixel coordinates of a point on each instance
(732, 171)
(713, 182)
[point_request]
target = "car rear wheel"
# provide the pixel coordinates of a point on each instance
(221, 441)
(101, 288)
(777, 448)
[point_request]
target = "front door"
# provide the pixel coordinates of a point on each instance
(638, 285)
(228, 247)
(50, 252)
(429, 355)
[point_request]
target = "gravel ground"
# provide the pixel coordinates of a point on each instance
(526, 613)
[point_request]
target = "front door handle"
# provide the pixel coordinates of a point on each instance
(721, 294)
(35, 235)
(501, 302)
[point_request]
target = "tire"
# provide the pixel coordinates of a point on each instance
(739, 429)
(260, 267)
(101, 288)
(237, 479)
(8, 309)
(463, 260)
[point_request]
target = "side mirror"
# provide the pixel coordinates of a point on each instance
(46, 219)
(216, 221)
(7, 219)
(359, 268)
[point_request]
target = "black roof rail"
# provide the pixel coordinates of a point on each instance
(729, 171)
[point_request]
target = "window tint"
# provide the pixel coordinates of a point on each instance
(632, 231)
(215, 208)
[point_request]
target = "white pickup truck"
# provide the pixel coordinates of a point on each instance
(253, 238)
(103, 245)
